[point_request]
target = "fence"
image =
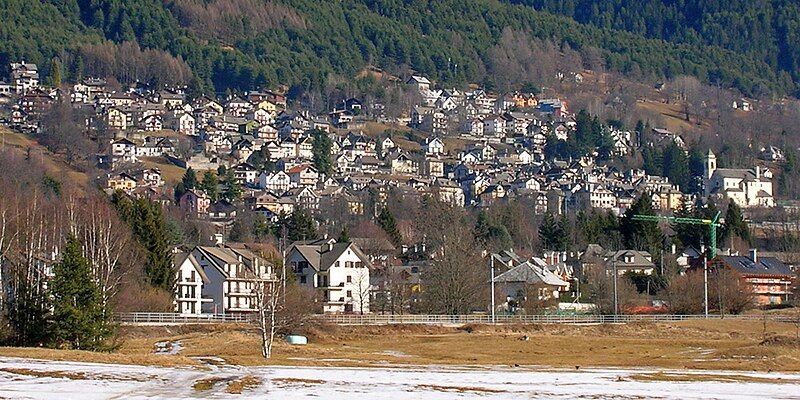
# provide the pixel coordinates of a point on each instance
(536, 319)
(179, 319)
(378, 319)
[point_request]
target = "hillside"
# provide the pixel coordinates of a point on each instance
(763, 30)
(241, 44)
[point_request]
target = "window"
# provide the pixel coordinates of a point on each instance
(349, 293)
(349, 279)
(303, 279)
(191, 276)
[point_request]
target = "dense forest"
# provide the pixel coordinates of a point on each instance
(764, 30)
(241, 44)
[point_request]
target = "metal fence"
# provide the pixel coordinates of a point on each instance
(138, 318)
(379, 319)
(536, 319)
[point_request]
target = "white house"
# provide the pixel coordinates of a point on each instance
(232, 274)
(339, 271)
(433, 146)
(277, 182)
(189, 281)
(123, 150)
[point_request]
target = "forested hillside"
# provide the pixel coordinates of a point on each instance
(241, 44)
(765, 30)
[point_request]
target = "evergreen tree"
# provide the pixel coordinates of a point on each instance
(344, 236)
(55, 73)
(210, 185)
(735, 225)
(261, 160)
(80, 319)
(676, 166)
(641, 235)
(29, 311)
(551, 235)
(233, 190)
(493, 234)
(150, 228)
(301, 226)
(76, 71)
(189, 179)
(322, 152)
(148, 223)
(388, 223)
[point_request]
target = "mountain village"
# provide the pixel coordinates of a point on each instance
(468, 149)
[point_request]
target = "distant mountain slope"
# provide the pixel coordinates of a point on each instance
(765, 30)
(241, 44)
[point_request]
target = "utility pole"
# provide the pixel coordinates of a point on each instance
(491, 267)
(283, 261)
(616, 304)
(705, 280)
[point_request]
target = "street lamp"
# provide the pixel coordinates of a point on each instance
(491, 267)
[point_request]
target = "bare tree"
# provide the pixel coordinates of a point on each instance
(601, 291)
(729, 293)
(107, 243)
(279, 310)
(684, 294)
(457, 280)
(363, 288)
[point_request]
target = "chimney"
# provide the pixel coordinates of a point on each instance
(758, 172)
(754, 255)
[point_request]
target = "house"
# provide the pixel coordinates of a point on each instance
(772, 153)
(433, 146)
(222, 211)
(419, 83)
(401, 163)
(338, 271)
(122, 182)
(183, 123)
(150, 177)
(25, 77)
(195, 201)
(770, 279)
(189, 281)
(232, 275)
(123, 150)
(524, 281)
(278, 182)
(303, 175)
(624, 261)
(245, 174)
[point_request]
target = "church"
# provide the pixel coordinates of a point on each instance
(746, 187)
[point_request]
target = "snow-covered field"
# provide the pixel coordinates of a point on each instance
(36, 379)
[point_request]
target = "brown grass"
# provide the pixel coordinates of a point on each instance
(297, 381)
(459, 389)
(202, 385)
(248, 382)
(720, 345)
(171, 173)
(75, 376)
(54, 163)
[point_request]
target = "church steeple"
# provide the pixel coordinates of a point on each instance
(710, 166)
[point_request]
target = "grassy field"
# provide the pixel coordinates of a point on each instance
(705, 345)
(55, 164)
